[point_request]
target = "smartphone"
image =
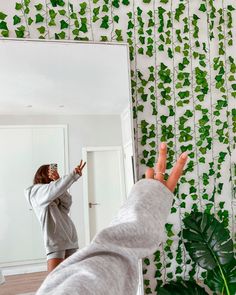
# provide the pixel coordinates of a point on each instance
(53, 167)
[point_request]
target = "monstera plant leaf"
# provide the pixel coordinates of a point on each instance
(208, 241)
(181, 288)
(210, 246)
(216, 282)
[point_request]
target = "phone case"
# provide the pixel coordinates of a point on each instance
(53, 167)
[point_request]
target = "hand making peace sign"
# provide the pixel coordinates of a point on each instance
(158, 172)
(80, 168)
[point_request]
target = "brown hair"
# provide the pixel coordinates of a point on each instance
(41, 176)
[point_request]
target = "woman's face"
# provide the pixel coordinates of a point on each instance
(52, 174)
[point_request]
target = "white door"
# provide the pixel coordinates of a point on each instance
(104, 180)
(22, 150)
(15, 217)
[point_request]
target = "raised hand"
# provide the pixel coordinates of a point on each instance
(158, 172)
(80, 168)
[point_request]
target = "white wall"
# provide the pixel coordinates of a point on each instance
(89, 130)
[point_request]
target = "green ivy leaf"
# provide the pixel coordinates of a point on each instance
(30, 21)
(119, 35)
(20, 32)
(60, 3)
(57, 2)
(83, 5)
(149, 51)
(62, 12)
(105, 22)
(230, 8)
(125, 2)
(27, 2)
(52, 13)
(27, 10)
(61, 35)
(38, 7)
(2, 15)
(105, 8)
(52, 23)
(105, 39)
(83, 28)
(39, 18)
(170, 54)
(130, 25)
(18, 6)
(75, 32)
(141, 51)
(178, 49)
(146, 282)
(16, 19)
(203, 7)
(54, 3)
(64, 24)
(3, 26)
(41, 29)
(5, 34)
(116, 3)
(140, 108)
(116, 18)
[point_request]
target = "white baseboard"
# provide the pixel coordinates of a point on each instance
(22, 269)
(2, 279)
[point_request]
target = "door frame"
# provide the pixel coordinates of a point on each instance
(85, 152)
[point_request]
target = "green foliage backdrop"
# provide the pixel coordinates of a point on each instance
(183, 63)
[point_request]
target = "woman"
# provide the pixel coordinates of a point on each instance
(109, 265)
(51, 203)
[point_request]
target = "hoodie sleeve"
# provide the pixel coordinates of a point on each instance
(47, 193)
(109, 265)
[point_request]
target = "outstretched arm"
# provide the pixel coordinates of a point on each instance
(51, 191)
(109, 265)
(47, 193)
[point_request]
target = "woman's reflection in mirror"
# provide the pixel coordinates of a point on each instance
(51, 202)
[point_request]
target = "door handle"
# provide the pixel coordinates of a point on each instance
(93, 204)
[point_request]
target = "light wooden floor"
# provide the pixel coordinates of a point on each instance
(20, 284)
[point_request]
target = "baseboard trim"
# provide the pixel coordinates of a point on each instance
(22, 269)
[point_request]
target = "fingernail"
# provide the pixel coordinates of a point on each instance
(163, 145)
(184, 155)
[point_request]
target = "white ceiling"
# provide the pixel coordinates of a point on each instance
(85, 78)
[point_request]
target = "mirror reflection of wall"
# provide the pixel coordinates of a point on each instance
(69, 100)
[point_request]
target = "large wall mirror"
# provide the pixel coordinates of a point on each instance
(62, 102)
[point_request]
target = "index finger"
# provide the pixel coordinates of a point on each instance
(83, 166)
(176, 172)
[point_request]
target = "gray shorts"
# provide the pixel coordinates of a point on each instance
(61, 254)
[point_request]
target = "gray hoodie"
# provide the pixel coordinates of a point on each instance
(51, 203)
(109, 265)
